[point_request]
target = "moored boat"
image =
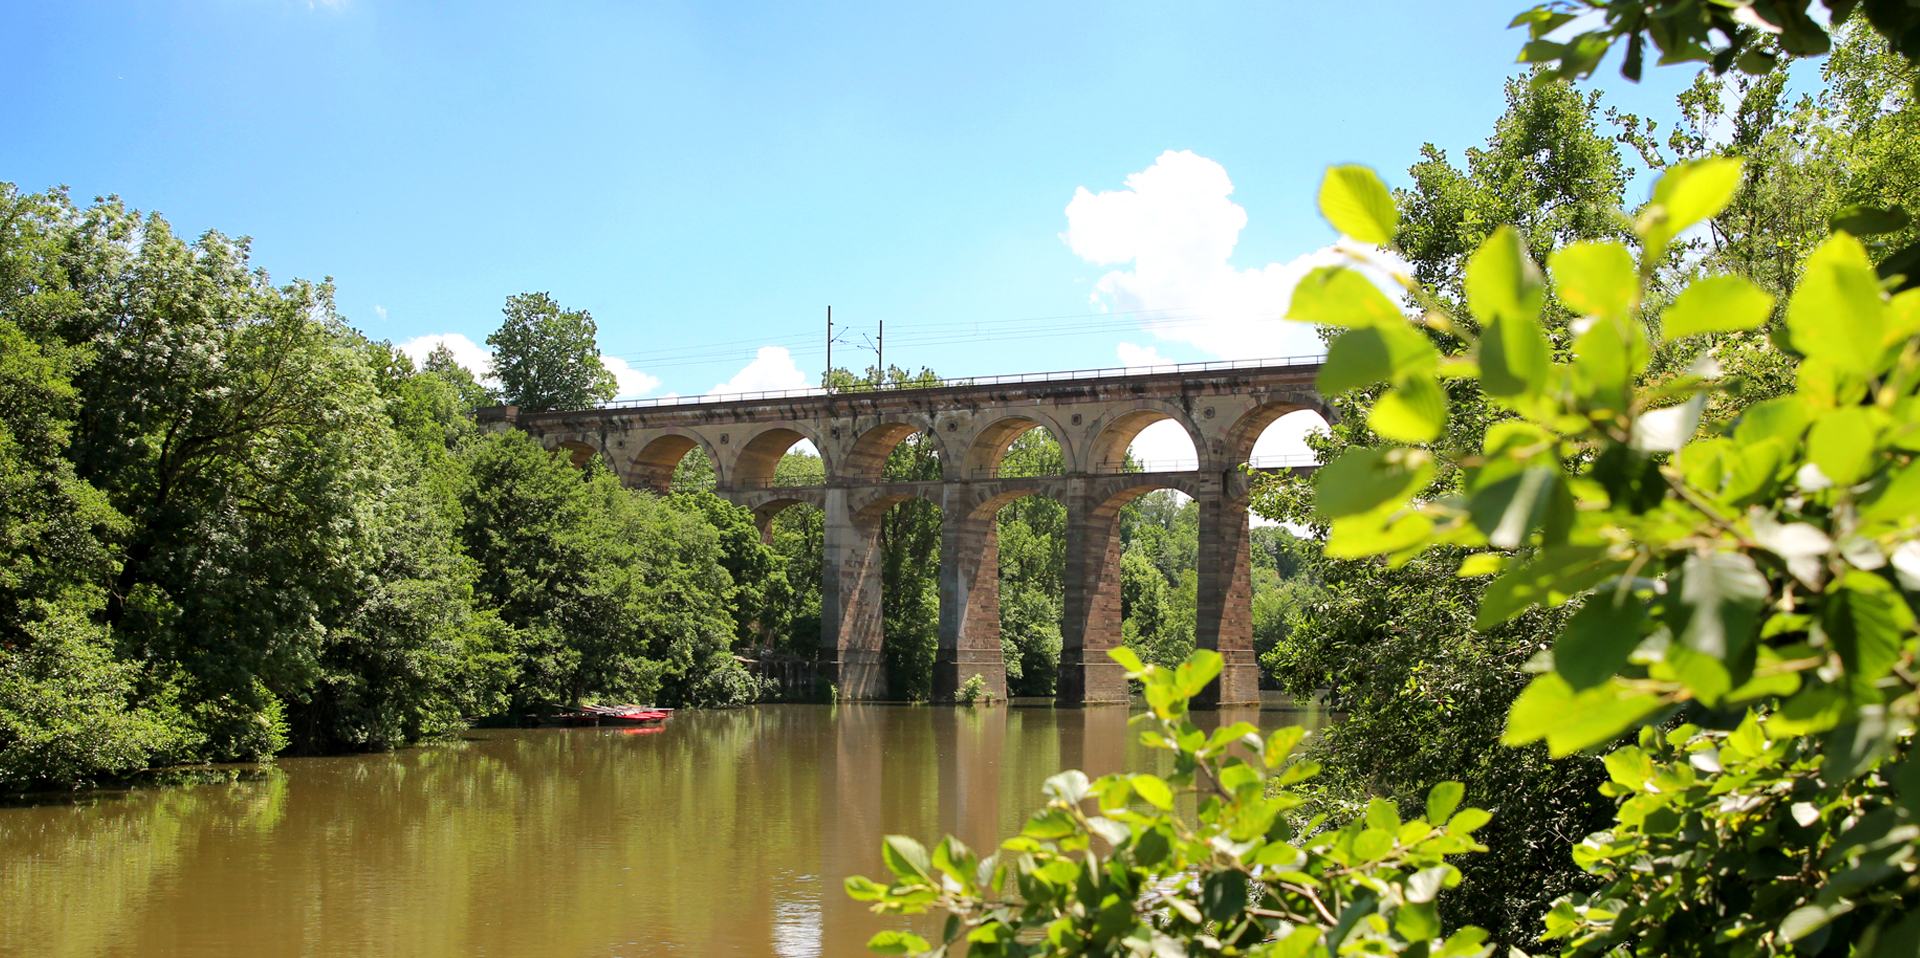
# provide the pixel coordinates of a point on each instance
(607, 715)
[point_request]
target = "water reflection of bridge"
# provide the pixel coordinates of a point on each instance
(1094, 415)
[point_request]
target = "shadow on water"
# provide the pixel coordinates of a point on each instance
(724, 833)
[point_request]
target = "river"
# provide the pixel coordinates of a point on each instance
(722, 833)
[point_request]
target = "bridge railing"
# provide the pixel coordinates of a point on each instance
(1288, 461)
(1129, 466)
(1110, 467)
(1065, 375)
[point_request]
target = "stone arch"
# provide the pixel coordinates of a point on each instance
(766, 510)
(653, 465)
(867, 509)
(868, 452)
(988, 507)
(1110, 498)
(760, 455)
(578, 453)
(990, 441)
(1246, 431)
(1111, 438)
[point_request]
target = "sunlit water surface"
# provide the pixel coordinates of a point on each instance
(724, 833)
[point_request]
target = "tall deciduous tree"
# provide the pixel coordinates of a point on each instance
(547, 358)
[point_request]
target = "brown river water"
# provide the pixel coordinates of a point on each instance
(723, 833)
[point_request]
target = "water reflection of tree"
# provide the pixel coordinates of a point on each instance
(711, 833)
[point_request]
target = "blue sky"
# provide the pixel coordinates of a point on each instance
(707, 178)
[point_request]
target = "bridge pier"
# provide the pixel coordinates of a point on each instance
(1223, 616)
(850, 612)
(1092, 622)
(969, 606)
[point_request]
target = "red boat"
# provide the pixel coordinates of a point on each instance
(609, 715)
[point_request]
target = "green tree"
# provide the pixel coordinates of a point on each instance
(69, 711)
(406, 657)
(798, 537)
(613, 594)
(236, 426)
(1286, 585)
(910, 573)
(440, 362)
(547, 358)
(760, 589)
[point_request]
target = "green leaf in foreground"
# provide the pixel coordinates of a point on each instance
(1716, 304)
(1571, 721)
(1415, 410)
(1596, 279)
(1354, 200)
(1338, 296)
(1373, 355)
(1869, 220)
(897, 943)
(1365, 479)
(1688, 193)
(1598, 639)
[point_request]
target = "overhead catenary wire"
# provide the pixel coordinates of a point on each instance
(929, 334)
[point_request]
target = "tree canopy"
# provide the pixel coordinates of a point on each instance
(547, 358)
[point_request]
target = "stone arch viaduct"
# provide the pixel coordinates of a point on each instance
(1094, 415)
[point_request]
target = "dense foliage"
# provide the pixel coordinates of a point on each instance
(1743, 571)
(1753, 34)
(231, 526)
(1423, 690)
(1754, 576)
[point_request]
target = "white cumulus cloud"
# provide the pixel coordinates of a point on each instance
(1132, 356)
(772, 369)
(466, 352)
(632, 382)
(1175, 224)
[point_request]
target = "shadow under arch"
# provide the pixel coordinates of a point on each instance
(578, 453)
(654, 464)
(1108, 450)
(989, 446)
(867, 456)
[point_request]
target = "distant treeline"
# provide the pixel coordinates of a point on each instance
(231, 526)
